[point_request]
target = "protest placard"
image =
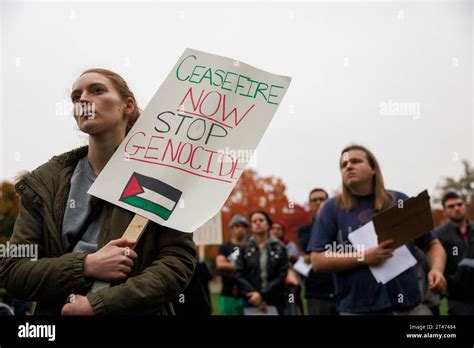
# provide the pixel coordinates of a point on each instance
(210, 233)
(182, 158)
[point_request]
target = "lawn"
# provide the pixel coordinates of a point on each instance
(443, 306)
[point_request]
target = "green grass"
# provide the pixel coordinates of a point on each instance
(443, 305)
(215, 304)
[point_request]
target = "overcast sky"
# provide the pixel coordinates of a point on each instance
(394, 76)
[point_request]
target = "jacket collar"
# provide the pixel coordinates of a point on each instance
(71, 157)
(66, 159)
(271, 241)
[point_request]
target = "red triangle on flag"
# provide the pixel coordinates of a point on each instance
(133, 188)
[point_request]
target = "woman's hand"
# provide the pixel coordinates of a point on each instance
(112, 262)
(77, 305)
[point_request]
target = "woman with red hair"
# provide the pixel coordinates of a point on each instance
(79, 236)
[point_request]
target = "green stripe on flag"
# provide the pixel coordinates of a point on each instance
(148, 206)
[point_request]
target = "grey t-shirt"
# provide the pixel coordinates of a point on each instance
(263, 267)
(79, 206)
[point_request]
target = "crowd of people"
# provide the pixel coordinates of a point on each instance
(257, 264)
(82, 252)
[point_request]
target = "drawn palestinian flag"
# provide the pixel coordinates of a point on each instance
(151, 194)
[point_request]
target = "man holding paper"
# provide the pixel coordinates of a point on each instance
(358, 290)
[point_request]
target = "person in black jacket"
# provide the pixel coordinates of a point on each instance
(319, 287)
(195, 301)
(457, 238)
(262, 266)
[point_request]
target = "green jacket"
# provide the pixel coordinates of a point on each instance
(165, 263)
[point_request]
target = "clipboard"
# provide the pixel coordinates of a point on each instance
(406, 223)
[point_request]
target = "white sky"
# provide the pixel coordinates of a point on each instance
(348, 60)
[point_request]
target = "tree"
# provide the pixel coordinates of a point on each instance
(253, 192)
(9, 207)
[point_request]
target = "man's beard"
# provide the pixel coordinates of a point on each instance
(458, 220)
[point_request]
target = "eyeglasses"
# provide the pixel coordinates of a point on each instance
(451, 206)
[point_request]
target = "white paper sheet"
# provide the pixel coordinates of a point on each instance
(365, 237)
(301, 267)
(271, 310)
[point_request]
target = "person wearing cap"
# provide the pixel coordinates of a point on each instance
(230, 300)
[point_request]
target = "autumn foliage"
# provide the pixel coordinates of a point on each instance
(253, 192)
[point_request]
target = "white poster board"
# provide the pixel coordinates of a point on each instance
(210, 233)
(182, 158)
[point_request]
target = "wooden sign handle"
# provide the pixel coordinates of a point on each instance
(133, 232)
(136, 228)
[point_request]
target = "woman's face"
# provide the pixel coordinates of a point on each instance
(259, 223)
(98, 107)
